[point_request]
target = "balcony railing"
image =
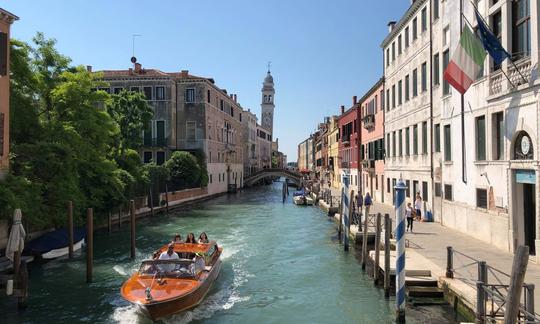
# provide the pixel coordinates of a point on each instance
(155, 142)
(345, 165)
(518, 74)
(369, 165)
(369, 121)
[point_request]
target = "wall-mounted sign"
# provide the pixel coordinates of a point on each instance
(526, 176)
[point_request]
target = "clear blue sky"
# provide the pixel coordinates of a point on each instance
(322, 52)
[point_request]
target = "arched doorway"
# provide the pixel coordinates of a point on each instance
(524, 192)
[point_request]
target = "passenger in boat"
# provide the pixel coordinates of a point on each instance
(203, 238)
(177, 238)
(191, 238)
(169, 254)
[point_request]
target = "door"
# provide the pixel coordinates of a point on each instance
(529, 214)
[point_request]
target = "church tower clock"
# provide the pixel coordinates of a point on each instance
(267, 105)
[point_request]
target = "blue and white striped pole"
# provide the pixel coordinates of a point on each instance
(400, 250)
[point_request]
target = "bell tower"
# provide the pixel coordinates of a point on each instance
(267, 105)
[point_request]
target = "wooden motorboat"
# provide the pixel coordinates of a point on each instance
(165, 287)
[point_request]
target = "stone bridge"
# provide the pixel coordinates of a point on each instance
(264, 173)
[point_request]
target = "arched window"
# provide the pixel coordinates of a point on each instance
(269, 98)
(523, 147)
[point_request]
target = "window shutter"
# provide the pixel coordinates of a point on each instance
(3, 53)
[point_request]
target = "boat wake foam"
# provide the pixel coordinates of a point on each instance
(129, 314)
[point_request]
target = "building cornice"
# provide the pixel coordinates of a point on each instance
(413, 9)
(7, 16)
(371, 91)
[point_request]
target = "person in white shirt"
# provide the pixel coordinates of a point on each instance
(168, 255)
(418, 206)
(410, 216)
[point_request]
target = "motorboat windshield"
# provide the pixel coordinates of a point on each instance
(181, 268)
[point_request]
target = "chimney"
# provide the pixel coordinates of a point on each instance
(89, 68)
(231, 96)
(184, 73)
(354, 100)
(391, 25)
(235, 98)
(342, 110)
(138, 67)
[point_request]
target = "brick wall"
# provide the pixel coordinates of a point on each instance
(184, 194)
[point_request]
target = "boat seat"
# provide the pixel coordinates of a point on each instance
(207, 268)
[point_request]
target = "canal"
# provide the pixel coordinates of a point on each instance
(281, 263)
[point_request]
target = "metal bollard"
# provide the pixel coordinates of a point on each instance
(480, 302)
(482, 272)
(449, 263)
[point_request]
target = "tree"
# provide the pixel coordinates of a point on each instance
(184, 169)
(132, 113)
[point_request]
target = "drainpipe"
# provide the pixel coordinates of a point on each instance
(431, 151)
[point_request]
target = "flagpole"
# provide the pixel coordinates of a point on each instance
(463, 150)
(511, 61)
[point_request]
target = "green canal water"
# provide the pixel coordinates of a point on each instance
(281, 264)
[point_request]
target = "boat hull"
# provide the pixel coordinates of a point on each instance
(166, 308)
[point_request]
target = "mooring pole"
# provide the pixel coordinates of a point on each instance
(151, 201)
(400, 251)
(109, 222)
(70, 229)
(365, 237)
(377, 249)
(89, 244)
(133, 219)
(167, 198)
(517, 276)
(340, 214)
(348, 222)
(387, 234)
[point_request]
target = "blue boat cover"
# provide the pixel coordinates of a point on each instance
(301, 192)
(53, 240)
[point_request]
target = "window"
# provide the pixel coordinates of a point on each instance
(400, 138)
(415, 83)
(415, 187)
(117, 90)
(221, 104)
(406, 37)
(415, 139)
(436, 71)
(394, 143)
(387, 56)
(408, 190)
(388, 185)
(446, 36)
(446, 60)
(480, 124)
(438, 189)
(147, 93)
(393, 96)
(147, 157)
(134, 89)
(190, 95)
(424, 76)
(437, 135)
(400, 95)
(388, 100)
(481, 198)
(448, 192)
(388, 152)
(498, 128)
(160, 93)
(160, 133)
(521, 29)
(424, 19)
(424, 138)
(147, 136)
(435, 5)
(496, 27)
(160, 158)
(414, 29)
(393, 51)
(407, 141)
(447, 143)
(190, 130)
(399, 45)
(210, 179)
(208, 96)
(424, 191)
(407, 92)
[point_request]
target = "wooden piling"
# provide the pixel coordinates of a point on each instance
(133, 220)
(22, 285)
(151, 201)
(167, 198)
(120, 210)
(89, 244)
(109, 222)
(519, 268)
(16, 263)
(340, 216)
(348, 221)
(365, 238)
(70, 229)
(377, 249)
(387, 233)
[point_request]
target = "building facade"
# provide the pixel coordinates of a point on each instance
(251, 149)
(372, 144)
(333, 152)
(6, 19)
(349, 145)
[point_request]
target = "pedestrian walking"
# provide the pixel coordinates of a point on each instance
(367, 200)
(409, 214)
(418, 206)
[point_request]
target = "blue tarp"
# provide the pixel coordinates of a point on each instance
(301, 192)
(53, 240)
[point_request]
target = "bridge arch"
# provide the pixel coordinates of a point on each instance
(274, 172)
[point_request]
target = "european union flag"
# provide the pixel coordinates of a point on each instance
(490, 41)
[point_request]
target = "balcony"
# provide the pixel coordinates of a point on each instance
(518, 74)
(345, 165)
(369, 121)
(368, 165)
(346, 141)
(155, 142)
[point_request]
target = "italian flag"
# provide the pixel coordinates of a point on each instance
(466, 62)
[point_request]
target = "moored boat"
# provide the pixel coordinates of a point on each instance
(165, 287)
(54, 244)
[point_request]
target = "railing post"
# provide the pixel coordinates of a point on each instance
(480, 303)
(529, 305)
(449, 262)
(519, 268)
(482, 272)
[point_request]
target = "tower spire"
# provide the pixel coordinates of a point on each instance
(269, 64)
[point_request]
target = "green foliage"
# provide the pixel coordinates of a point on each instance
(274, 161)
(184, 169)
(66, 139)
